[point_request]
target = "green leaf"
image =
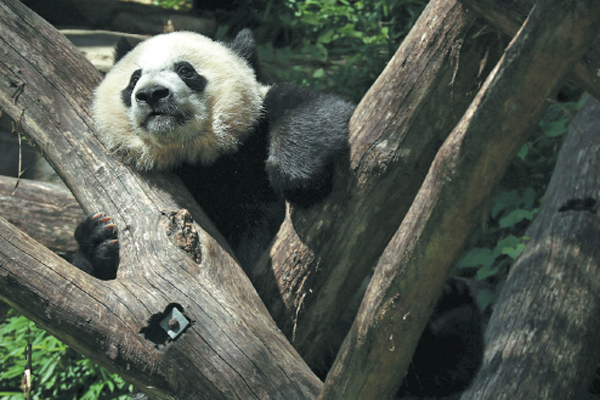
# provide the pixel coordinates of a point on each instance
(310, 19)
(508, 241)
(513, 252)
(476, 257)
(555, 128)
(523, 152)
(327, 37)
(485, 272)
(515, 217)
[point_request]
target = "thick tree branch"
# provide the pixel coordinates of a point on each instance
(542, 341)
(232, 348)
(465, 171)
(508, 17)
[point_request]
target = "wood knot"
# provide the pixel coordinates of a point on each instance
(181, 230)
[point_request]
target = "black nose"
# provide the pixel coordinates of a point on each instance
(152, 95)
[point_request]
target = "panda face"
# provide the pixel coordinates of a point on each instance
(168, 103)
(178, 97)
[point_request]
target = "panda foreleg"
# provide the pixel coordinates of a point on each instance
(98, 252)
(308, 132)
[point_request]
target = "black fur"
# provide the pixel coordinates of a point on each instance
(126, 93)
(308, 132)
(245, 46)
(188, 74)
(122, 47)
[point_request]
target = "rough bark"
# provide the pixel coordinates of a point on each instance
(232, 349)
(465, 171)
(542, 340)
(508, 17)
(322, 256)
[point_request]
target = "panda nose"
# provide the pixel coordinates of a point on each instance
(152, 95)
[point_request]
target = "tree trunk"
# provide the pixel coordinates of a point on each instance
(231, 350)
(542, 340)
(377, 351)
(321, 256)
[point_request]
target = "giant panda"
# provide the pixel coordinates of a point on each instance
(185, 103)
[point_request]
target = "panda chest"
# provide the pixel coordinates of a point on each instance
(232, 181)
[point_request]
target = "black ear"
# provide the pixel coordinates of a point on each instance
(245, 46)
(121, 48)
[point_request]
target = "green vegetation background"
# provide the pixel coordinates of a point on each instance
(334, 45)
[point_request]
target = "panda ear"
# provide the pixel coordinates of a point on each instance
(122, 48)
(245, 46)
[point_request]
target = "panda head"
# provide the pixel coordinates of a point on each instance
(179, 97)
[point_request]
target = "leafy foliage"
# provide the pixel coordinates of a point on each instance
(342, 45)
(59, 372)
(501, 239)
(339, 45)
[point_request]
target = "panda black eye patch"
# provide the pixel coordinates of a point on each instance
(126, 93)
(188, 74)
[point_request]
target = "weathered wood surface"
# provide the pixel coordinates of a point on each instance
(467, 168)
(542, 340)
(46, 212)
(508, 16)
(322, 256)
(232, 350)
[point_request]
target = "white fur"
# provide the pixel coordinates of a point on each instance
(221, 116)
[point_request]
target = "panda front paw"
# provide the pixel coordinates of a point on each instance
(98, 252)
